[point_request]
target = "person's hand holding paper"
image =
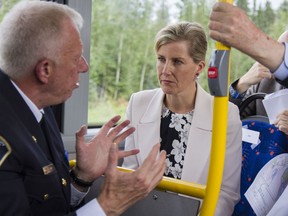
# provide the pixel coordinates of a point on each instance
(276, 106)
(282, 121)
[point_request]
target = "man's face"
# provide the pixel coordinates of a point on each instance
(70, 64)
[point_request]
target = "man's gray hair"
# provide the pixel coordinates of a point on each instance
(31, 32)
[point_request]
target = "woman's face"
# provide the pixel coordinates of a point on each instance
(177, 71)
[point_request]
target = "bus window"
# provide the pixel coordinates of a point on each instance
(122, 59)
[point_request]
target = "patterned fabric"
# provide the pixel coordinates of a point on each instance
(174, 135)
(272, 143)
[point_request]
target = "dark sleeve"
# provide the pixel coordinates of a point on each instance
(234, 96)
(237, 99)
(13, 197)
(283, 82)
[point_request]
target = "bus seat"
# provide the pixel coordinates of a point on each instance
(156, 203)
(244, 107)
(272, 143)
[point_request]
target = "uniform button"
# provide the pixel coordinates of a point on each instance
(64, 182)
(46, 196)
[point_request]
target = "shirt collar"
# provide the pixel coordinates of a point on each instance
(36, 112)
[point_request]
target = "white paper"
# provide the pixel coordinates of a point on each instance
(268, 185)
(250, 136)
(275, 103)
(280, 207)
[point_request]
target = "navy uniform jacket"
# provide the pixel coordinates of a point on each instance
(30, 184)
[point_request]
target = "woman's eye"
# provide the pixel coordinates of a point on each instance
(161, 59)
(177, 62)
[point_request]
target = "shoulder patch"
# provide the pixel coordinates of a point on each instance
(5, 150)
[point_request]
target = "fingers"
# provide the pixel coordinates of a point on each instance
(283, 128)
(82, 131)
(113, 133)
(282, 122)
(255, 74)
(108, 125)
(122, 154)
(219, 29)
(151, 158)
(123, 189)
(112, 160)
(119, 138)
(282, 116)
(80, 135)
(159, 171)
(264, 71)
(153, 167)
(282, 125)
(226, 22)
(221, 7)
(108, 130)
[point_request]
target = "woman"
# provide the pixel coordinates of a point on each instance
(179, 115)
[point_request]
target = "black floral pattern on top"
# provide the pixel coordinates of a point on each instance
(174, 133)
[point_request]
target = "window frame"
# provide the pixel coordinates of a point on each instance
(74, 112)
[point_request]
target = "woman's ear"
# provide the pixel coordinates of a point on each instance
(43, 70)
(200, 67)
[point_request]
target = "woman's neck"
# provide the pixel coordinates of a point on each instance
(180, 103)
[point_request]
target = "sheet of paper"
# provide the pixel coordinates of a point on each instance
(275, 103)
(280, 207)
(250, 136)
(268, 185)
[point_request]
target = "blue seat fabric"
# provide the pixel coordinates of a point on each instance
(273, 142)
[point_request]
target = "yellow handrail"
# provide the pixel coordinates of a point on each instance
(171, 184)
(178, 186)
(218, 148)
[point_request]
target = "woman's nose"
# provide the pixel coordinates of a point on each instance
(167, 68)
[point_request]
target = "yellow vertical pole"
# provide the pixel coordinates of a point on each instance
(218, 148)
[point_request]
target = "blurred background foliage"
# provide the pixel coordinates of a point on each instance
(122, 57)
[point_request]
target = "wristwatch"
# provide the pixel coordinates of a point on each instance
(79, 181)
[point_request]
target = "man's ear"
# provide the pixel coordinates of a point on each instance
(43, 70)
